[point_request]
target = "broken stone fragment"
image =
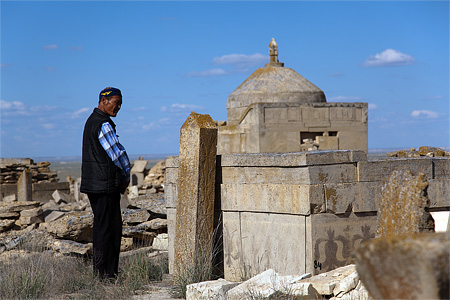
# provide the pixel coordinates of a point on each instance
(133, 216)
(407, 266)
(62, 197)
(33, 212)
(76, 225)
(17, 206)
(71, 247)
(6, 224)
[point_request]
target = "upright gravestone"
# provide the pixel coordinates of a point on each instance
(195, 207)
(24, 188)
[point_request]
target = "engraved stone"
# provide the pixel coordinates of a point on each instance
(195, 207)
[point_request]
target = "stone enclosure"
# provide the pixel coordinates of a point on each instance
(301, 212)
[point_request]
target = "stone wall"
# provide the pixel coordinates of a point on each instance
(302, 212)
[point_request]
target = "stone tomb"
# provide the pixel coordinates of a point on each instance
(301, 212)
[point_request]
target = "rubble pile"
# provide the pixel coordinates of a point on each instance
(422, 151)
(342, 283)
(11, 169)
(64, 223)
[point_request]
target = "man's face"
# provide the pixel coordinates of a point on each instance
(112, 106)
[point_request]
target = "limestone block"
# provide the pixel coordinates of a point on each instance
(75, 225)
(71, 247)
(408, 266)
(126, 243)
(33, 212)
(24, 187)
(196, 190)
(60, 197)
(267, 241)
(54, 215)
(356, 197)
(154, 224)
(438, 193)
(10, 198)
(441, 221)
(260, 285)
(441, 168)
(10, 215)
(331, 239)
(338, 280)
(17, 206)
(172, 162)
(171, 224)
(293, 159)
(206, 290)
(133, 216)
(403, 205)
(160, 242)
(171, 195)
(358, 293)
(274, 198)
(379, 170)
(301, 175)
(30, 220)
(139, 166)
(136, 179)
(171, 175)
(6, 224)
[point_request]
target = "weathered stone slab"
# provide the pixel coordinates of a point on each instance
(274, 198)
(171, 227)
(71, 247)
(441, 168)
(10, 215)
(24, 187)
(172, 162)
(133, 216)
(54, 215)
(379, 170)
(195, 207)
(171, 195)
(331, 239)
(126, 243)
(33, 212)
(6, 224)
(301, 175)
(254, 242)
(10, 198)
(161, 242)
(214, 289)
(439, 193)
(403, 204)
(309, 158)
(17, 206)
(330, 282)
(408, 266)
(357, 197)
(61, 197)
(139, 166)
(171, 175)
(76, 226)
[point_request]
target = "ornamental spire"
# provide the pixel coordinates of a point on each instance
(273, 52)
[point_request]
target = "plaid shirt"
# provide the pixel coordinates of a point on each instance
(109, 141)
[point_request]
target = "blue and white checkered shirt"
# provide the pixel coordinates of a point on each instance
(109, 141)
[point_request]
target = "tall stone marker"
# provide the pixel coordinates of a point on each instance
(24, 188)
(195, 207)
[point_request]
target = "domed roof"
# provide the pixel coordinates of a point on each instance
(274, 84)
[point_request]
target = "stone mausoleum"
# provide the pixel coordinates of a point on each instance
(278, 110)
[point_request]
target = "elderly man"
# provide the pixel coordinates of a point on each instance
(105, 174)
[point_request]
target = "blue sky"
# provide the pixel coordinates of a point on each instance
(171, 58)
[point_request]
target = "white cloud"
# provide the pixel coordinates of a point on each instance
(373, 106)
(427, 113)
(177, 107)
(389, 57)
(80, 112)
(241, 59)
(157, 124)
(207, 73)
(50, 47)
(13, 108)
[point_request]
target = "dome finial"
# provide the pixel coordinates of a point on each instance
(273, 52)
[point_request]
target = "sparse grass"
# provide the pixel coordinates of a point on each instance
(42, 275)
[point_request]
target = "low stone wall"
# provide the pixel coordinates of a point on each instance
(302, 212)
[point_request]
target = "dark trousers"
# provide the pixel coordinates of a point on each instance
(107, 233)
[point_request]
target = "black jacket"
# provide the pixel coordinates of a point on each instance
(99, 174)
